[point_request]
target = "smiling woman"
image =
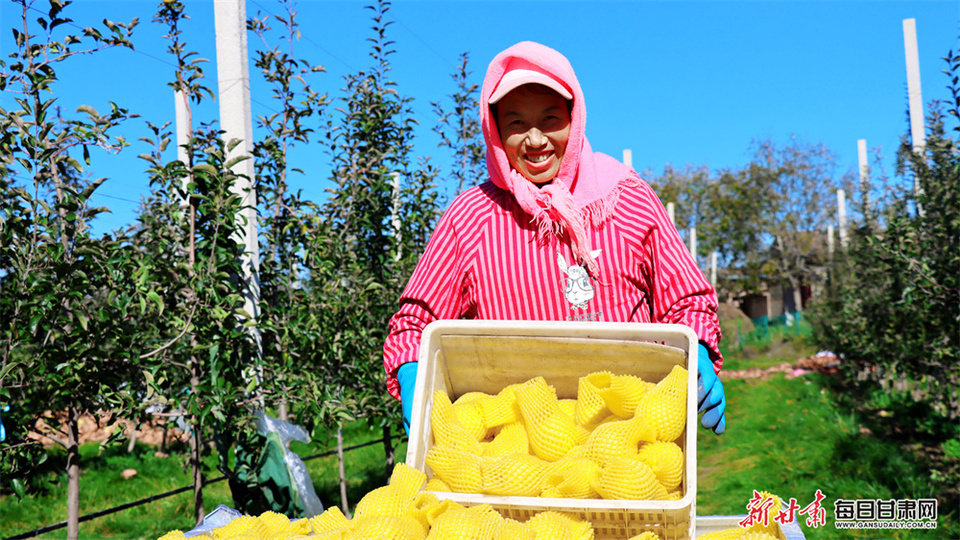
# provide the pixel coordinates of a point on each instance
(534, 125)
(559, 233)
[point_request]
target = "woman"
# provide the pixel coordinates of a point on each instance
(558, 233)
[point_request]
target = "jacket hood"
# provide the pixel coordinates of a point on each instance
(588, 184)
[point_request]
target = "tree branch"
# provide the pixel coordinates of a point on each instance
(186, 327)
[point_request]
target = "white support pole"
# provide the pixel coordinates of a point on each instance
(864, 173)
(913, 84)
(395, 215)
(628, 157)
(830, 241)
(693, 244)
(670, 212)
(184, 130)
(915, 97)
(842, 217)
(236, 120)
(183, 125)
(713, 269)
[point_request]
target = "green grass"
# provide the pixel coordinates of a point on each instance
(789, 437)
(102, 487)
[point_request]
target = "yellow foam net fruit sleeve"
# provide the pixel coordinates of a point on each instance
(629, 478)
(514, 530)
(471, 397)
(616, 439)
(332, 519)
(460, 470)
(480, 522)
(591, 407)
(382, 501)
(664, 406)
(515, 474)
(501, 409)
(774, 510)
(455, 456)
(421, 505)
(436, 484)
(624, 394)
(568, 407)
(552, 433)
(274, 524)
(666, 460)
(242, 525)
(571, 478)
(389, 528)
(447, 430)
(512, 439)
(470, 417)
(559, 526)
(407, 480)
(395, 498)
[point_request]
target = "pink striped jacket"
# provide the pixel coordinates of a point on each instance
(485, 261)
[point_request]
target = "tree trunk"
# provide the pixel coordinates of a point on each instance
(196, 449)
(131, 436)
(389, 451)
(282, 412)
(73, 474)
(344, 504)
(798, 298)
(196, 462)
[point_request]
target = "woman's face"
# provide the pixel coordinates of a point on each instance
(534, 126)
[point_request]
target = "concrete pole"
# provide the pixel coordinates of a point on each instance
(842, 217)
(912, 53)
(236, 120)
(183, 125)
(864, 174)
(713, 269)
(395, 215)
(830, 241)
(628, 157)
(917, 134)
(184, 131)
(670, 212)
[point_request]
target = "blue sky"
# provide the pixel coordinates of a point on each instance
(676, 82)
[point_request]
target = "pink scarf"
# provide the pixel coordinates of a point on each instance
(587, 188)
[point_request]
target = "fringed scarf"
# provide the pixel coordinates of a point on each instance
(586, 190)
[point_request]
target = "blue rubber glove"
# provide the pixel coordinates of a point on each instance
(710, 396)
(3, 431)
(407, 377)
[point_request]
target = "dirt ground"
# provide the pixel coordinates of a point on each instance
(91, 430)
(822, 362)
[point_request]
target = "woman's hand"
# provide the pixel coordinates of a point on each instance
(710, 395)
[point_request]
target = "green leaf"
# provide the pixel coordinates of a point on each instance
(82, 319)
(152, 295)
(6, 369)
(19, 489)
(214, 364)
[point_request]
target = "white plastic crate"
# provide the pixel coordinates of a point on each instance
(709, 524)
(460, 356)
